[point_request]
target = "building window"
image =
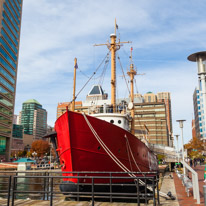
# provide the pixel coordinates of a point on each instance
(2, 145)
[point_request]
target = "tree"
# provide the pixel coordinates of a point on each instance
(41, 147)
(194, 148)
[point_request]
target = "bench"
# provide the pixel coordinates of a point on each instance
(188, 184)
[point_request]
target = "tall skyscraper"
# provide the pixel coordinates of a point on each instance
(33, 118)
(10, 24)
(197, 114)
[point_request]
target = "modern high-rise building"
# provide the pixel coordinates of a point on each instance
(10, 24)
(197, 114)
(33, 118)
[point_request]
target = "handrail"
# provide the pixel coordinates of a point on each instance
(108, 179)
(195, 182)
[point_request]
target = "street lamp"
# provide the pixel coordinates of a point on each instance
(181, 127)
(177, 135)
(34, 154)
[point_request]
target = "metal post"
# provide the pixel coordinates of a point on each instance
(9, 190)
(204, 193)
(153, 191)
(45, 186)
(14, 187)
(157, 185)
(92, 191)
(110, 185)
(51, 191)
(181, 126)
(145, 180)
(177, 148)
(78, 187)
(138, 198)
(50, 156)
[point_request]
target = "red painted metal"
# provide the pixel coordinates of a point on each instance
(80, 151)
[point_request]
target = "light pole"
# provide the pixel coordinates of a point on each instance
(177, 135)
(34, 154)
(50, 154)
(181, 127)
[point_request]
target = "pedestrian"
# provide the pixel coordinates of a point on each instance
(190, 162)
(194, 162)
(205, 175)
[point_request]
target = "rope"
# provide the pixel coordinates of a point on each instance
(132, 154)
(101, 80)
(129, 155)
(90, 77)
(115, 159)
(123, 72)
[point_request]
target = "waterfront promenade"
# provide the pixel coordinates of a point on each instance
(181, 194)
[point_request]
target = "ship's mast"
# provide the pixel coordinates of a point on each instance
(113, 47)
(132, 72)
(113, 70)
(74, 85)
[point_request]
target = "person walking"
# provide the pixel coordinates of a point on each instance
(190, 162)
(205, 175)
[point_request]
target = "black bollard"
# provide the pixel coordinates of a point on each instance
(204, 193)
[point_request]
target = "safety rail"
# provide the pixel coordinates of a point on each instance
(94, 186)
(194, 183)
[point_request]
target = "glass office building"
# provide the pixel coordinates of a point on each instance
(33, 118)
(10, 24)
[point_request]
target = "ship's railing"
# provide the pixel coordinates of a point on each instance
(107, 109)
(89, 186)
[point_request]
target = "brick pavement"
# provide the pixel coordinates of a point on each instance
(180, 189)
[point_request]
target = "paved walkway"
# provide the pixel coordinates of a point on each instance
(180, 189)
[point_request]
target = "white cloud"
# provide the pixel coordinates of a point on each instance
(163, 33)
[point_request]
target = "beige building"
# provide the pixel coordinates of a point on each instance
(152, 113)
(27, 141)
(150, 97)
(155, 114)
(152, 117)
(165, 97)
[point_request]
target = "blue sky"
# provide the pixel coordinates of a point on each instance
(163, 34)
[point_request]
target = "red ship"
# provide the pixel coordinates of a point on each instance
(102, 142)
(87, 143)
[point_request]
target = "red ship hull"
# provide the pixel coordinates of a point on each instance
(79, 149)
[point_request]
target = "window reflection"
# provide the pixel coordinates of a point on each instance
(7, 75)
(5, 129)
(2, 145)
(5, 120)
(6, 84)
(7, 103)
(5, 111)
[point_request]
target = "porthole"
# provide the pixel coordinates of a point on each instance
(112, 121)
(119, 121)
(118, 150)
(99, 148)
